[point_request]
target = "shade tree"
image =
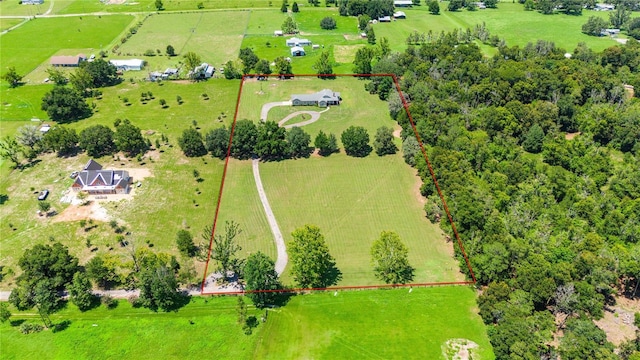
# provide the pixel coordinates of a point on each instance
(64, 104)
(390, 259)
(355, 140)
(312, 266)
(383, 141)
(97, 141)
(261, 280)
(271, 141)
(191, 143)
(245, 137)
(298, 142)
(217, 142)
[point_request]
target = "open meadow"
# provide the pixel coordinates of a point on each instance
(198, 32)
(36, 41)
(373, 324)
(351, 199)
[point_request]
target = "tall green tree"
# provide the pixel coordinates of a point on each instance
(244, 139)
(594, 26)
(97, 141)
(10, 149)
(217, 142)
(159, 6)
(61, 139)
(355, 140)
(102, 272)
(289, 26)
(534, 139)
(191, 61)
(12, 77)
(185, 243)
(362, 61)
(46, 299)
(383, 141)
(260, 276)
(159, 287)
(326, 145)
(284, 8)
(128, 139)
(64, 104)
(102, 72)
(82, 81)
(225, 249)
(390, 259)
(170, 50)
(298, 142)
(619, 17)
(323, 66)
(249, 60)
(5, 314)
(48, 262)
(263, 67)
(57, 76)
(283, 66)
(80, 292)
(434, 8)
(312, 266)
(271, 142)
(371, 35)
(191, 143)
(294, 7)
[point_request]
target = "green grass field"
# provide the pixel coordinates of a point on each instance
(7, 23)
(198, 32)
(35, 42)
(351, 199)
(377, 324)
(509, 21)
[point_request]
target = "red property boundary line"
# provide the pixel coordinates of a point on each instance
(362, 287)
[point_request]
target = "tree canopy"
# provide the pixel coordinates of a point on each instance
(355, 140)
(390, 259)
(64, 104)
(97, 141)
(191, 143)
(260, 274)
(311, 264)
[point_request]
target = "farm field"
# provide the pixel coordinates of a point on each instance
(7, 23)
(34, 42)
(372, 324)
(198, 32)
(83, 6)
(377, 324)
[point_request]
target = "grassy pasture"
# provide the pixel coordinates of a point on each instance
(168, 169)
(361, 324)
(7, 23)
(33, 43)
(137, 333)
(350, 199)
(381, 324)
(83, 6)
(199, 32)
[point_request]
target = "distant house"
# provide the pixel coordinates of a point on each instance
(294, 41)
(278, 33)
(32, 2)
(403, 3)
(297, 51)
(156, 75)
(610, 32)
(384, 19)
(322, 98)
(67, 61)
(604, 7)
(96, 181)
(126, 65)
(480, 5)
(399, 15)
(202, 71)
(45, 128)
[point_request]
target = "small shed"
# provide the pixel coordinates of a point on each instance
(384, 19)
(278, 33)
(403, 3)
(315, 46)
(126, 65)
(399, 15)
(297, 51)
(45, 128)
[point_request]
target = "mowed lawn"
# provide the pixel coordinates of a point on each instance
(36, 41)
(126, 332)
(358, 107)
(84, 6)
(353, 200)
(377, 324)
(509, 21)
(199, 32)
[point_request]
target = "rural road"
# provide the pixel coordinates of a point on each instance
(283, 258)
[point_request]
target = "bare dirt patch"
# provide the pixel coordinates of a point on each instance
(80, 212)
(345, 53)
(460, 349)
(396, 133)
(617, 322)
(570, 136)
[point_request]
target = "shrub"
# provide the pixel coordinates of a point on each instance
(108, 302)
(28, 328)
(328, 23)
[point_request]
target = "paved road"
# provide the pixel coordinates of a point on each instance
(283, 258)
(266, 107)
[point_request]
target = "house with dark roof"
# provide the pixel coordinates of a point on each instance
(297, 51)
(322, 98)
(96, 181)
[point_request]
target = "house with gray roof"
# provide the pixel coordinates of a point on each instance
(294, 41)
(96, 181)
(322, 98)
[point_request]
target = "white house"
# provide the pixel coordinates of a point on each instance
(32, 2)
(399, 15)
(604, 7)
(403, 3)
(294, 41)
(125, 65)
(297, 51)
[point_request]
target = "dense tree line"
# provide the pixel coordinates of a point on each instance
(550, 223)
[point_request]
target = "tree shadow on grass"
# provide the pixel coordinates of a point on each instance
(332, 276)
(61, 326)
(17, 322)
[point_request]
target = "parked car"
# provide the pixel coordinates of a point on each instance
(43, 194)
(74, 175)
